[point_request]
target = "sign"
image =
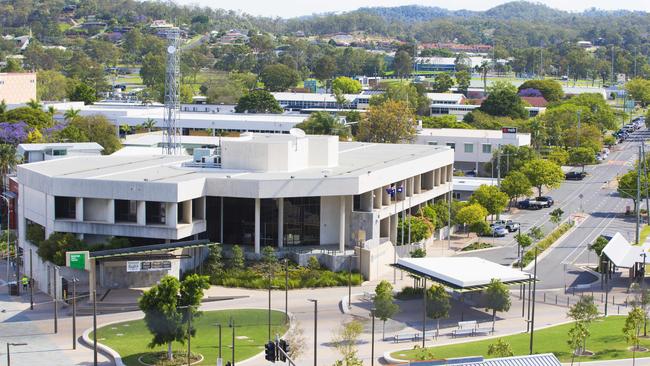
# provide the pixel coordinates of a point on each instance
(508, 129)
(147, 266)
(219, 362)
(78, 260)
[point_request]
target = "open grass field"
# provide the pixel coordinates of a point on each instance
(130, 339)
(607, 341)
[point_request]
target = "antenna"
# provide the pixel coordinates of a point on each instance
(172, 93)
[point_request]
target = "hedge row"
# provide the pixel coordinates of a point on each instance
(543, 244)
(300, 277)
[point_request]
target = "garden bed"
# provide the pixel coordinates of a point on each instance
(477, 246)
(545, 243)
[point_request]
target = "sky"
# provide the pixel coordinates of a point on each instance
(293, 8)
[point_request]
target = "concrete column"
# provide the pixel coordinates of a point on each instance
(187, 211)
(436, 176)
(376, 200)
(141, 212)
(171, 214)
(221, 220)
(341, 223)
(450, 173)
(79, 209)
(280, 222)
(92, 280)
(385, 197)
(110, 211)
(366, 201)
(393, 229)
(417, 185)
(257, 225)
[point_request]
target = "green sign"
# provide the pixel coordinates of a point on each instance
(78, 261)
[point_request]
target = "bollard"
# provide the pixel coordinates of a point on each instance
(567, 301)
(619, 309)
(601, 298)
(612, 299)
(555, 299)
(544, 296)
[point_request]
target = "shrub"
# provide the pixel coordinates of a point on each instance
(313, 263)
(480, 228)
(35, 233)
(237, 259)
(476, 246)
(409, 293)
(421, 229)
(543, 244)
(418, 253)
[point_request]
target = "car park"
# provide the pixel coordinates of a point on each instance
(575, 175)
(508, 224)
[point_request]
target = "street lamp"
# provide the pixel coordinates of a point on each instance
(74, 312)
(315, 330)
(219, 360)
(8, 236)
(12, 344)
(189, 330)
(372, 345)
(231, 323)
(350, 280)
(532, 319)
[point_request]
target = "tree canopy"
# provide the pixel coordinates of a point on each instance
(258, 101)
(503, 100)
(543, 173)
(390, 122)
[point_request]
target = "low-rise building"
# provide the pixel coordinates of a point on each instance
(460, 110)
(472, 148)
(292, 192)
(464, 187)
(31, 153)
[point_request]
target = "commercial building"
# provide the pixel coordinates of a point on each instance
(460, 110)
(17, 88)
(464, 187)
(31, 153)
(472, 148)
(257, 190)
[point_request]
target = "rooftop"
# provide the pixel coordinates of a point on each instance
(68, 145)
(458, 132)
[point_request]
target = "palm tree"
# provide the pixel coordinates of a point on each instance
(71, 114)
(51, 111)
(8, 161)
(34, 104)
(149, 124)
(483, 69)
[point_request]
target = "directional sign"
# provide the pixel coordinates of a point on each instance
(78, 260)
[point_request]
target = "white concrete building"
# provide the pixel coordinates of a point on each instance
(255, 190)
(472, 148)
(31, 153)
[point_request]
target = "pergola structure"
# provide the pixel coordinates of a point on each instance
(461, 275)
(619, 253)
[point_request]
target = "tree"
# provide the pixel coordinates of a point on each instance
(490, 197)
(536, 233)
(34, 104)
(402, 64)
(512, 158)
(471, 214)
(627, 186)
(556, 216)
(83, 93)
(598, 245)
(53, 248)
(551, 89)
(500, 349)
(8, 161)
(420, 228)
(497, 297)
(516, 185)
(391, 122)
(97, 128)
(34, 118)
(463, 80)
(214, 261)
(279, 77)
(584, 312)
(442, 83)
(414, 95)
(161, 303)
(582, 156)
(541, 172)
(269, 257)
(152, 70)
(503, 100)
(632, 329)
(323, 123)
(325, 68)
(639, 90)
(558, 155)
(237, 258)
(345, 341)
(149, 124)
(13, 65)
(523, 240)
(384, 304)
(258, 101)
(577, 337)
(51, 85)
(346, 85)
(438, 303)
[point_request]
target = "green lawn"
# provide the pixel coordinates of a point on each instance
(645, 231)
(606, 340)
(130, 339)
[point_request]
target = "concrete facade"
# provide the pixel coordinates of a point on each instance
(17, 88)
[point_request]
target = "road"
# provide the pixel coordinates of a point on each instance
(596, 196)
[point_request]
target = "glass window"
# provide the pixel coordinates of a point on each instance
(487, 149)
(452, 145)
(239, 220)
(65, 207)
(302, 221)
(155, 213)
(469, 148)
(126, 211)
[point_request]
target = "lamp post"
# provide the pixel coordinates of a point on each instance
(94, 328)
(232, 325)
(219, 360)
(315, 330)
(372, 345)
(532, 319)
(286, 290)
(74, 312)
(13, 345)
(8, 236)
(350, 280)
(189, 330)
(54, 300)
(643, 294)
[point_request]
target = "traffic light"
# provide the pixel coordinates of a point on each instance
(269, 352)
(284, 345)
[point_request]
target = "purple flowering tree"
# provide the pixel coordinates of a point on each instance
(530, 92)
(13, 133)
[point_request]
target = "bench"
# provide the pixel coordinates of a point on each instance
(462, 332)
(482, 331)
(406, 337)
(431, 333)
(473, 324)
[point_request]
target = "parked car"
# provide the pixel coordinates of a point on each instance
(529, 204)
(575, 175)
(497, 231)
(508, 224)
(547, 200)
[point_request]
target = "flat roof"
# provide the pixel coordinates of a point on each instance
(462, 273)
(472, 183)
(69, 145)
(459, 132)
(545, 359)
(452, 97)
(355, 159)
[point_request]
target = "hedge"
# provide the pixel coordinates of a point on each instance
(299, 277)
(543, 244)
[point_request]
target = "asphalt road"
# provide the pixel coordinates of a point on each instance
(601, 204)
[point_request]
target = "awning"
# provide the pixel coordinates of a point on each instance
(462, 274)
(622, 253)
(122, 252)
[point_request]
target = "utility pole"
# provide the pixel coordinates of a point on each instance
(56, 308)
(315, 301)
(645, 174)
(94, 328)
(424, 311)
(31, 281)
(613, 77)
(579, 112)
(638, 197)
(270, 285)
(532, 319)
(232, 324)
(74, 313)
(498, 168)
(286, 290)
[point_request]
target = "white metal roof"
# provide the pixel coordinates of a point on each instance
(472, 183)
(622, 253)
(459, 132)
(445, 97)
(68, 145)
(463, 272)
(545, 359)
